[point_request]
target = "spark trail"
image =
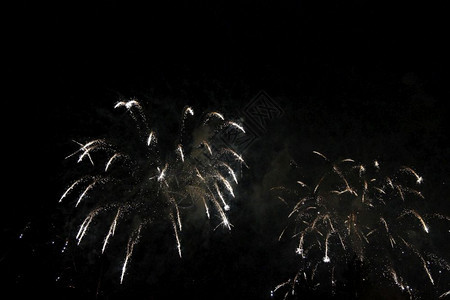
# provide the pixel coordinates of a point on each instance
(357, 213)
(143, 184)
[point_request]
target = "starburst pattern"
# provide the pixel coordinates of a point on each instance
(356, 213)
(130, 180)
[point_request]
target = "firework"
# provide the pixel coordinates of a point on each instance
(136, 182)
(355, 212)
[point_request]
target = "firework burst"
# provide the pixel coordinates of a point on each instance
(133, 181)
(357, 213)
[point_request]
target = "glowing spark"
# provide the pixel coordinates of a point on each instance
(415, 192)
(282, 233)
(86, 152)
(376, 164)
(180, 151)
(399, 189)
(321, 155)
(444, 294)
(385, 224)
(230, 171)
(281, 285)
(111, 231)
(424, 263)
(225, 205)
(326, 258)
(65, 246)
(329, 222)
(296, 207)
(70, 188)
(86, 148)
(396, 279)
(237, 156)
(216, 114)
(199, 175)
(189, 110)
(299, 249)
(213, 114)
(428, 272)
(178, 213)
(81, 149)
(207, 147)
(419, 179)
(347, 186)
(151, 138)
(206, 207)
(318, 184)
(111, 160)
(362, 170)
(343, 191)
(176, 235)
(236, 125)
(389, 181)
(380, 190)
(227, 184)
(424, 225)
(128, 105)
(84, 192)
(301, 183)
(282, 200)
(133, 104)
(162, 174)
(313, 273)
(342, 242)
(225, 221)
(85, 225)
(348, 160)
(222, 214)
(333, 281)
(130, 247)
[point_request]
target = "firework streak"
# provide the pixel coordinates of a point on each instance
(135, 183)
(355, 213)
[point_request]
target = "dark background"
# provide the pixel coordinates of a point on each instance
(360, 79)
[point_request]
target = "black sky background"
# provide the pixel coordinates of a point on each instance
(360, 79)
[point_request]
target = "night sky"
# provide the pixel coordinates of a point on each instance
(360, 79)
